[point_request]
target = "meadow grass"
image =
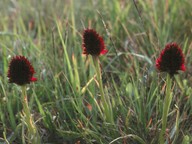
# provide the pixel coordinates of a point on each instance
(65, 101)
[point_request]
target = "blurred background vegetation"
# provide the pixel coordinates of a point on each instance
(65, 99)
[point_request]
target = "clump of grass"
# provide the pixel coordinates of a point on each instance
(65, 100)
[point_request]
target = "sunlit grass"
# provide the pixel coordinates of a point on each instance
(49, 34)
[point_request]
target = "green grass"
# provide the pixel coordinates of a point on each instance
(49, 33)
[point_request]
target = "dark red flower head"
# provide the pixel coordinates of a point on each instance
(93, 44)
(171, 59)
(20, 71)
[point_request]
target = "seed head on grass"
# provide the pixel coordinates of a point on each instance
(171, 59)
(20, 71)
(93, 43)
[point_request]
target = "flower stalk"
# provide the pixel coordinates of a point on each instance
(32, 130)
(107, 112)
(167, 103)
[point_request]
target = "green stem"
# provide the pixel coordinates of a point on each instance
(33, 134)
(106, 109)
(167, 102)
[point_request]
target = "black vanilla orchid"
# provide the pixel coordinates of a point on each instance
(171, 59)
(93, 43)
(20, 71)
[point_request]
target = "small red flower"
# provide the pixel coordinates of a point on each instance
(20, 71)
(171, 59)
(93, 44)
